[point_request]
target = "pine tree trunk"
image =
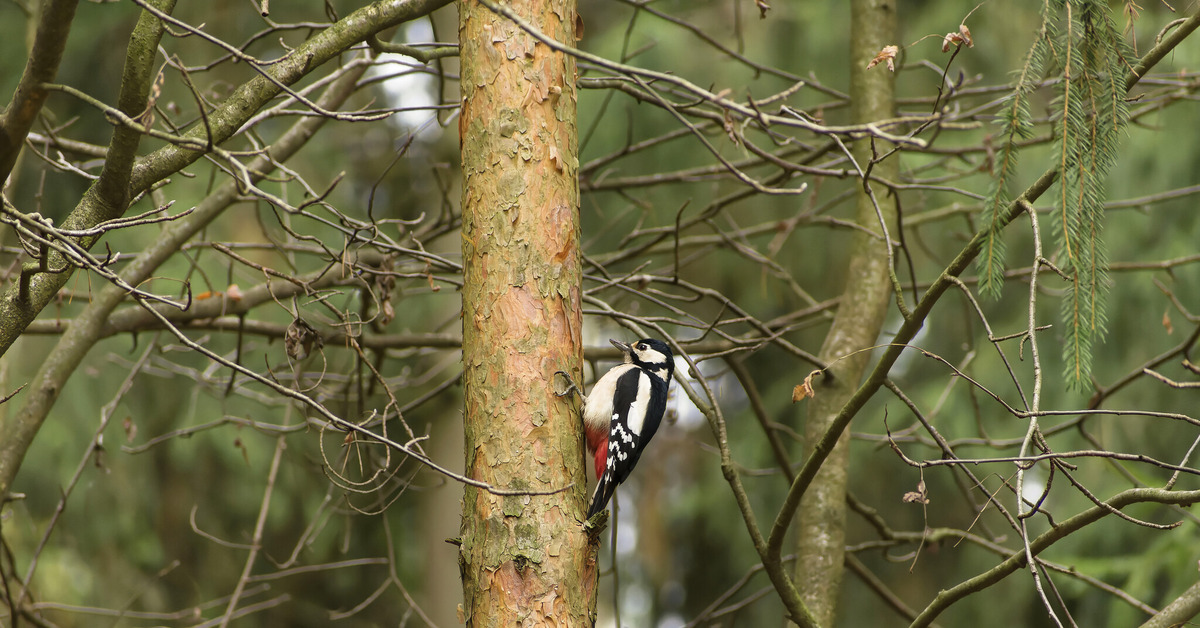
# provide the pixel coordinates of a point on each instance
(525, 559)
(822, 534)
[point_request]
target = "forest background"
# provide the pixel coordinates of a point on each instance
(214, 456)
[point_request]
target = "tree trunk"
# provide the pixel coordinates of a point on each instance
(525, 559)
(822, 535)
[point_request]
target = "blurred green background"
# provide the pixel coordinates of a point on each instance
(158, 532)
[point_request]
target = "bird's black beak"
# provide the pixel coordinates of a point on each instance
(624, 347)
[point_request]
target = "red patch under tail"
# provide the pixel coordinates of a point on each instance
(601, 458)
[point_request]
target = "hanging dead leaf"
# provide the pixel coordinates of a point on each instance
(951, 39)
(730, 129)
(98, 454)
(1166, 322)
(301, 339)
(805, 390)
(963, 36)
(888, 54)
(147, 116)
(763, 7)
(429, 276)
(385, 286)
(919, 496)
(238, 444)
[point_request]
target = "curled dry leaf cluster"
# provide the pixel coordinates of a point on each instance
(963, 36)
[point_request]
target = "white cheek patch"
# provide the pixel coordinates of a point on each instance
(650, 356)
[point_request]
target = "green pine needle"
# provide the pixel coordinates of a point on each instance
(1079, 38)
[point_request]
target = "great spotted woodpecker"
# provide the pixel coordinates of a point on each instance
(623, 411)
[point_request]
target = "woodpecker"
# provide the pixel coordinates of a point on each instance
(623, 411)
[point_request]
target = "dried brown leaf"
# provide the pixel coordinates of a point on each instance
(301, 339)
(1166, 322)
(730, 128)
(1132, 12)
(888, 54)
(951, 39)
(805, 390)
(963, 36)
(763, 7)
(237, 442)
(919, 496)
(147, 115)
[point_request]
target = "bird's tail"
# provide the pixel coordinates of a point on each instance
(603, 493)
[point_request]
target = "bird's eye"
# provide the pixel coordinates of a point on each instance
(641, 347)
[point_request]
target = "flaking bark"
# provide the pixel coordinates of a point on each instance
(525, 560)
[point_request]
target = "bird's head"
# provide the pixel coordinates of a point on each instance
(648, 353)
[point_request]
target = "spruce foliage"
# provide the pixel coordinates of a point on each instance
(1017, 125)
(1083, 47)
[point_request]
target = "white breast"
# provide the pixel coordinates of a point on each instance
(598, 411)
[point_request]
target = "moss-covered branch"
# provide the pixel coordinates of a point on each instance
(54, 25)
(1179, 612)
(1017, 559)
(822, 448)
(18, 430)
(255, 93)
(119, 182)
(106, 199)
